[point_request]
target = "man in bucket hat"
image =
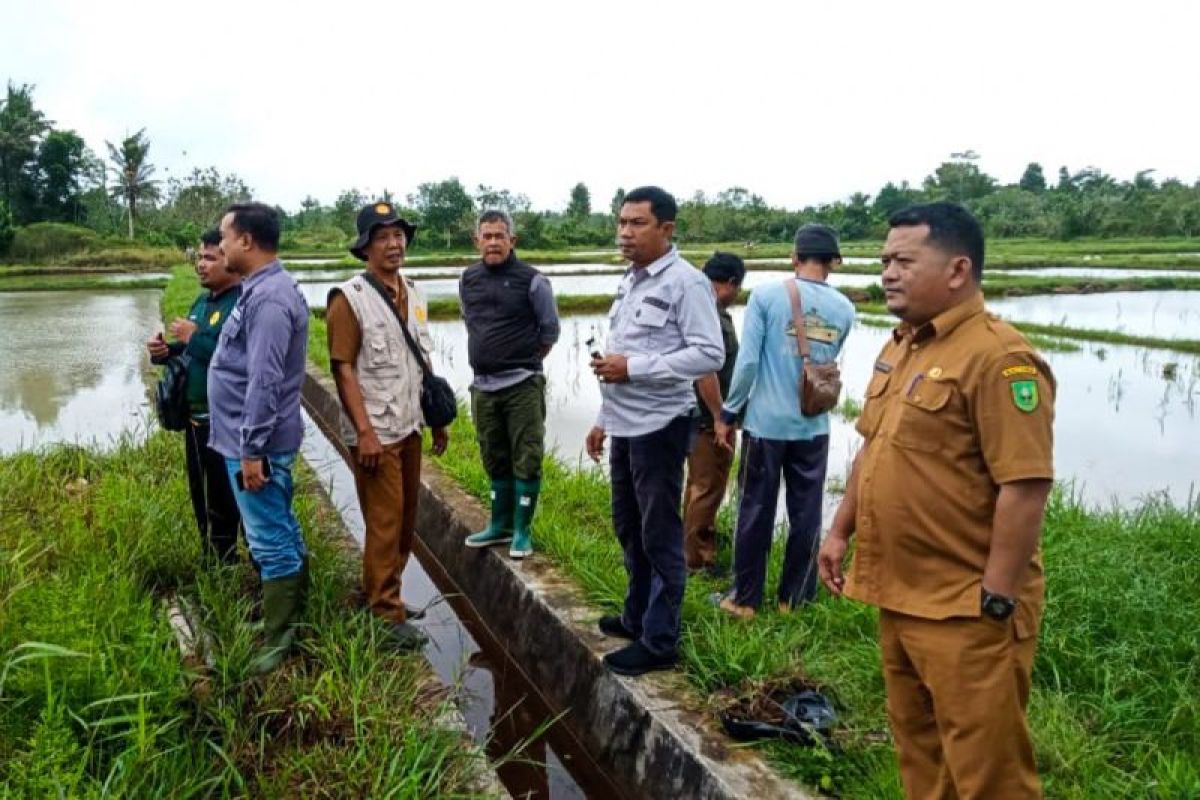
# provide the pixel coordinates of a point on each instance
(378, 380)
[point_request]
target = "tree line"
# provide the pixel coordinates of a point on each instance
(49, 174)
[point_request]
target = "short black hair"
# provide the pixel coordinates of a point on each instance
(210, 238)
(259, 220)
(662, 203)
(951, 227)
(726, 268)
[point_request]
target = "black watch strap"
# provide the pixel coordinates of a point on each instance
(997, 606)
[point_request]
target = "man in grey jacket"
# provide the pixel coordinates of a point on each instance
(254, 398)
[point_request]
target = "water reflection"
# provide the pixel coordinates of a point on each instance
(1146, 408)
(1166, 314)
(72, 365)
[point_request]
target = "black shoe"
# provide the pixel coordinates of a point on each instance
(611, 625)
(634, 659)
(406, 636)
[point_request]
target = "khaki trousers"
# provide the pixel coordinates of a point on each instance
(957, 690)
(707, 477)
(388, 497)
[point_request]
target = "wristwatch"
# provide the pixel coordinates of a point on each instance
(997, 606)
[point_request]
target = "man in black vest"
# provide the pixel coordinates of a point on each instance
(512, 323)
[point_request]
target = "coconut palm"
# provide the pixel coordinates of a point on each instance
(133, 172)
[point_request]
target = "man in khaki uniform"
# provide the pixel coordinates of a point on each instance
(946, 499)
(378, 380)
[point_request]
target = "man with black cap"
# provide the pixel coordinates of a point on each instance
(779, 438)
(710, 459)
(378, 380)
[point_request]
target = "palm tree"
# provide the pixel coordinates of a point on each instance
(133, 172)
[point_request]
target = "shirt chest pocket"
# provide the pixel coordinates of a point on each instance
(872, 410)
(649, 321)
(927, 420)
(232, 328)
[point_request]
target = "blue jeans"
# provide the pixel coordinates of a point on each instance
(647, 487)
(272, 531)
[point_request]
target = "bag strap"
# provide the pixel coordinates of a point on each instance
(798, 319)
(387, 299)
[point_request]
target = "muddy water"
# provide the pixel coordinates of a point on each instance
(501, 708)
(71, 365)
(1147, 410)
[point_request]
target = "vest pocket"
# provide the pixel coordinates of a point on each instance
(378, 352)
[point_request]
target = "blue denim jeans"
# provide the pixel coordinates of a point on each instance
(647, 488)
(272, 530)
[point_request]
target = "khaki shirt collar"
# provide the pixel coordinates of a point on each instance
(944, 323)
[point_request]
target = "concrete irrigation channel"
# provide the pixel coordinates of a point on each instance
(614, 737)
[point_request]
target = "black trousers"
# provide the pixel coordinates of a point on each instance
(213, 502)
(647, 487)
(802, 465)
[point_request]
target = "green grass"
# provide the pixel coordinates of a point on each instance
(94, 698)
(1116, 706)
(60, 283)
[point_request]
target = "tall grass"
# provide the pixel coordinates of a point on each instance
(1116, 701)
(95, 700)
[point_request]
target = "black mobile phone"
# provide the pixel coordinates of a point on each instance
(241, 482)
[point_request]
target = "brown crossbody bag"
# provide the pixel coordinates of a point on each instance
(820, 384)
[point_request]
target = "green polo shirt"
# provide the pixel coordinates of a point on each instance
(209, 313)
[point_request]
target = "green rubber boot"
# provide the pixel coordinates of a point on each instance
(500, 529)
(527, 496)
(283, 601)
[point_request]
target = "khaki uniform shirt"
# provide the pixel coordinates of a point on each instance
(954, 409)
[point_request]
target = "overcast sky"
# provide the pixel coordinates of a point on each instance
(801, 102)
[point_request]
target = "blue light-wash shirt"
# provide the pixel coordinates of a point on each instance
(541, 297)
(766, 377)
(664, 321)
(255, 376)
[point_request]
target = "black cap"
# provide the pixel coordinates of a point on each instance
(817, 240)
(375, 216)
(725, 267)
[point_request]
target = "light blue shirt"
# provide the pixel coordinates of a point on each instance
(766, 377)
(664, 321)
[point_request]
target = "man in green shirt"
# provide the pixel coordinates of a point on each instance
(710, 460)
(196, 337)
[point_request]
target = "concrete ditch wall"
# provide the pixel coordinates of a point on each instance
(649, 733)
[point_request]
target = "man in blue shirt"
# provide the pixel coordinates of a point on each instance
(254, 398)
(765, 394)
(663, 335)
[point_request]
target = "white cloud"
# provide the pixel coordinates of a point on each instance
(800, 102)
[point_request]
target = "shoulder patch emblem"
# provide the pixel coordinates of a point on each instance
(214, 318)
(1019, 370)
(1025, 395)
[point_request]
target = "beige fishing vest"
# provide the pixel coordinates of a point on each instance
(388, 373)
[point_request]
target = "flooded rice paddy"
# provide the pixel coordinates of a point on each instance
(1126, 427)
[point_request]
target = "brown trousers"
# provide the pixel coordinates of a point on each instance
(388, 497)
(957, 690)
(707, 478)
